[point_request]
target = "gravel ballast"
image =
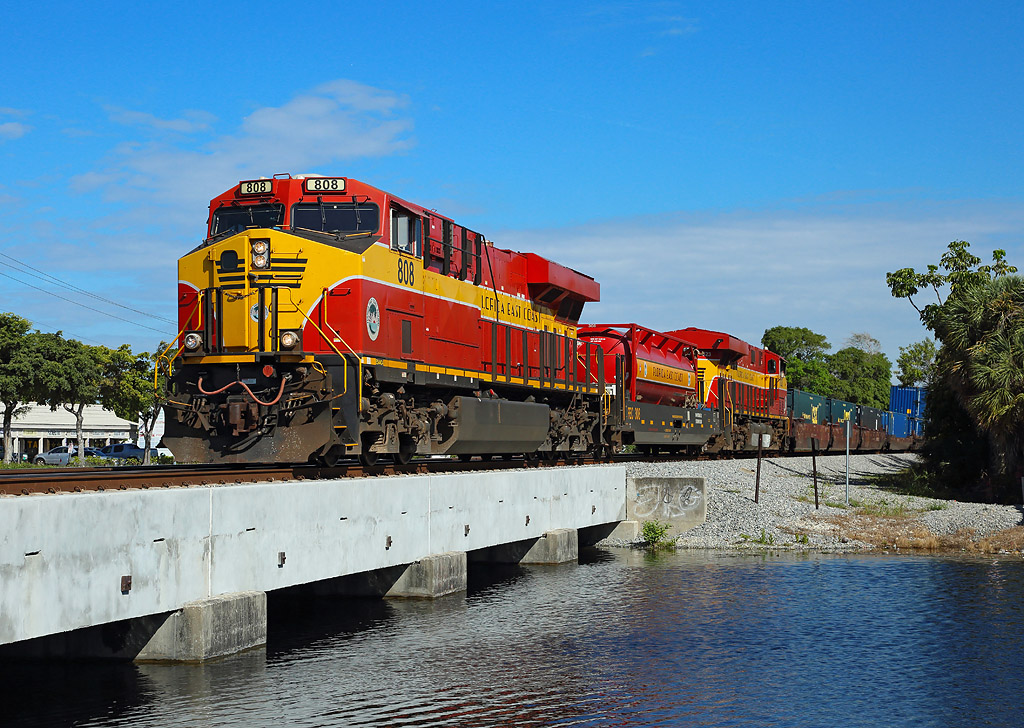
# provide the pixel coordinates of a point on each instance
(786, 518)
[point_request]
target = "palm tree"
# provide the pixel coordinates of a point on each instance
(981, 327)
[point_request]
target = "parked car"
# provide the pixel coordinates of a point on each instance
(126, 451)
(62, 455)
(19, 457)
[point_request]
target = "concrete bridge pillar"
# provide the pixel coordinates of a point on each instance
(432, 577)
(554, 547)
(209, 628)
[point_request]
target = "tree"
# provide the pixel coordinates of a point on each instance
(962, 269)
(795, 342)
(20, 359)
(128, 390)
(865, 342)
(71, 378)
(861, 376)
(977, 382)
(806, 357)
(915, 363)
(982, 360)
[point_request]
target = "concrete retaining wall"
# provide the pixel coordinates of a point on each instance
(679, 502)
(64, 559)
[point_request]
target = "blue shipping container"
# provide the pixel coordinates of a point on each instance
(899, 425)
(908, 400)
(917, 427)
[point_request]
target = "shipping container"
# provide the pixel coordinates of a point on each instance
(841, 411)
(806, 406)
(917, 426)
(899, 424)
(908, 400)
(870, 418)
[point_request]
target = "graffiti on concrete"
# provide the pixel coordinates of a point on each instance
(655, 500)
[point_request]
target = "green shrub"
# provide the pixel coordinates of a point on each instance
(654, 533)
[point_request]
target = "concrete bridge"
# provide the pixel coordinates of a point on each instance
(183, 573)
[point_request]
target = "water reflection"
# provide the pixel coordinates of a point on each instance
(624, 638)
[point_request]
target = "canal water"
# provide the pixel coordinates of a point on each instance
(623, 639)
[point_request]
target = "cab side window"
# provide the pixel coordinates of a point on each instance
(406, 232)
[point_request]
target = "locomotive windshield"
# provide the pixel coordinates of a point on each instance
(235, 219)
(344, 218)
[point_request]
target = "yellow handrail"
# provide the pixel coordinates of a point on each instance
(162, 356)
(359, 363)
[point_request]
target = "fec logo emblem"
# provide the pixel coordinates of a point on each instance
(372, 319)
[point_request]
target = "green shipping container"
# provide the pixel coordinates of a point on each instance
(842, 411)
(807, 406)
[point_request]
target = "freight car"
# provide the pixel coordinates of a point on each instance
(323, 318)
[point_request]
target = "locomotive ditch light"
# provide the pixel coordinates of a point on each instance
(289, 339)
(260, 253)
(193, 340)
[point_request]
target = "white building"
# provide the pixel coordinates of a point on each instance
(41, 429)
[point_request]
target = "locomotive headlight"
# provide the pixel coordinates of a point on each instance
(289, 339)
(193, 341)
(260, 253)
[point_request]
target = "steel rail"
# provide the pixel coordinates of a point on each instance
(33, 481)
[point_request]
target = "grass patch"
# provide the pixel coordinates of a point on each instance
(886, 532)
(914, 480)
(765, 539)
(880, 508)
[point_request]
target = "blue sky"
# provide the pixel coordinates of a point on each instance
(727, 165)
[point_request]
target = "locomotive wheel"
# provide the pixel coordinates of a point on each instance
(549, 456)
(331, 457)
(531, 457)
(368, 458)
(406, 450)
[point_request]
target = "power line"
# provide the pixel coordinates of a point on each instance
(79, 303)
(70, 286)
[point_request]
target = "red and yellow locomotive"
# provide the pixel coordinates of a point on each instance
(322, 317)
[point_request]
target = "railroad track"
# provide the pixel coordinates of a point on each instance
(75, 480)
(33, 481)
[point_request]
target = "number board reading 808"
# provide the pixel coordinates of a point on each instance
(256, 187)
(325, 184)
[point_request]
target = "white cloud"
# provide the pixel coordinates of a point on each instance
(13, 130)
(821, 266)
(191, 121)
(333, 122)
